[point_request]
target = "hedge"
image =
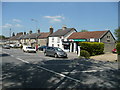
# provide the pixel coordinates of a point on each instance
(85, 54)
(94, 48)
(118, 48)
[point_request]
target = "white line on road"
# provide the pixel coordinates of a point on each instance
(22, 60)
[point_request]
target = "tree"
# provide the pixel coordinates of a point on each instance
(84, 31)
(13, 34)
(117, 34)
(2, 37)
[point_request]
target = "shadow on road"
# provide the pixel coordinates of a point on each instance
(4, 55)
(32, 76)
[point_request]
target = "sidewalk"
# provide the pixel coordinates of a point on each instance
(105, 57)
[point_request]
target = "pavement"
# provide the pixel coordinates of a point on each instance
(34, 70)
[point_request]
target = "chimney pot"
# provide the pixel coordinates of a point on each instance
(51, 29)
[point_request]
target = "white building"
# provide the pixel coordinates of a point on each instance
(59, 38)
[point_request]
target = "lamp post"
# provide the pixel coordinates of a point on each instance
(9, 35)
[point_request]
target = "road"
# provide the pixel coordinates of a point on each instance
(34, 70)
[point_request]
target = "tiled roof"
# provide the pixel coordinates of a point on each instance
(61, 32)
(15, 37)
(44, 35)
(87, 35)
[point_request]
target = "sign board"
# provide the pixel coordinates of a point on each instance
(79, 40)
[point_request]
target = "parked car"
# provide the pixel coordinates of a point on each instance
(114, 50)
(55, 51)
(42, 48)
(29, 49)
(6, 46)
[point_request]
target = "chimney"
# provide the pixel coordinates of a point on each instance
(38, 31)
(30, 32)
(64, 27)
(51, 29)
(24, 33)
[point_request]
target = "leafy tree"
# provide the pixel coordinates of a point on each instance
(84, 31)
(2, 37)
(117, 34)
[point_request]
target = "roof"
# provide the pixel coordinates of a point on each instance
(35, 35)
(87, 35)
(44, 35)
(61, 32)
(15, 37)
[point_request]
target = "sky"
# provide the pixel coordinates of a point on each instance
(26, 16)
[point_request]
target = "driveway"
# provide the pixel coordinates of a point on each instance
(105, 57)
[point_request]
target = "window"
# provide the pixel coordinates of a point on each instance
(108, 36)
(52, 39)
(108, 40)
(52, 45)
(58, 40)
(58, 45)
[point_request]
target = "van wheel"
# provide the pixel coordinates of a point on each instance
(55, 55)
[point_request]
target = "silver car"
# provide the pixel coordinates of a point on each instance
(55, 51)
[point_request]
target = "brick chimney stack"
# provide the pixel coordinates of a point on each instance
(30, 32)
(64, 27)
(24, 33)
(38, 31)
(51, 29)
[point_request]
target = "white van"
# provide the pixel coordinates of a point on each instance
(29, 49)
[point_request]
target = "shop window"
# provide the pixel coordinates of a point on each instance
(66, 46)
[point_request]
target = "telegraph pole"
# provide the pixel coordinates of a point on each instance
(9, 35)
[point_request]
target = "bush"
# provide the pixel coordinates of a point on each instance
(118, 48)
(94, 48)
(85, 54)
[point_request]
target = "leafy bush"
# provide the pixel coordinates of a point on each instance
(85, 54)
(118, 48)
(94, 48)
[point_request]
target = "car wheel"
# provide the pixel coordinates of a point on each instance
(55, 55)
(45, 54)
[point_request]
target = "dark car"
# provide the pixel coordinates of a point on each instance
(6, 46)
(55, 51)
(42, 48)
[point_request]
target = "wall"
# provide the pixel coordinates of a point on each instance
(108, 46)
(42, 42)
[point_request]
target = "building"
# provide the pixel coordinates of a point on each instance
(33, 39)
(105, 37)
(59, 38)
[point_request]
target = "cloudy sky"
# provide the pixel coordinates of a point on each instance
(25, 16)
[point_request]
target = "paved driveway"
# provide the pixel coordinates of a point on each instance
(105, 57)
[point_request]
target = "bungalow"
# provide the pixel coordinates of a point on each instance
(58, 38)
(105, 37)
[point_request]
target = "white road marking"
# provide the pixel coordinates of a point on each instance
(22, 60)
(92, 71)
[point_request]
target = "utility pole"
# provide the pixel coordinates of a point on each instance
(9, 35)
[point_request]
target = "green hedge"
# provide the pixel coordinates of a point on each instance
(85, 54)
(118, 48)
(94, 48)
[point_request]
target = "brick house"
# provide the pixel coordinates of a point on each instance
(105, 37)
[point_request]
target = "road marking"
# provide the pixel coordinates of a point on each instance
(22, 60)
(59, 74)
(92, 71)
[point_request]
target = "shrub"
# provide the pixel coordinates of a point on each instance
(118, 48)
(85, 54)
(94, 48)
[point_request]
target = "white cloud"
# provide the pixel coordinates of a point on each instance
(16, 20)
(7, 25)
(18, 25)
(55, 18)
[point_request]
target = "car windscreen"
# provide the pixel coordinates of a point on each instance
(31, 47)
(59, 49)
